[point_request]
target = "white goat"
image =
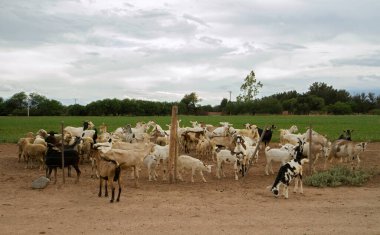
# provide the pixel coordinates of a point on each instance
(291, 130)
(193, 164)
(222, 130)
(78, 131)
(283, 155)
(316, 138)
(162, 156)
(150, 161)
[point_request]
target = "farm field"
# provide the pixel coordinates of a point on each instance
(221, 206)
(366, 127)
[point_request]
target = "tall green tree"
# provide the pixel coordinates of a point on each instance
(269, 105)
(2, 107)
(189, 103)
(223, 105)
(17, 104)
(250, 88)
(328, 93)
(76, 110)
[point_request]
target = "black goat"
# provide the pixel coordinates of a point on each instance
(53, 159)
(267, 135)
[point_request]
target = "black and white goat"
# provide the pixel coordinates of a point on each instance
(289, 171)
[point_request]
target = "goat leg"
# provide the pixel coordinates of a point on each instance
(100, 187)
(55, 175)
(113, 193)
(106, 188)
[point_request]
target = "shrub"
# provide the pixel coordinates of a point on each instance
(375, 111)
(339, 108)
(339, 176)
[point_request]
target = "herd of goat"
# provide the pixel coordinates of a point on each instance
(147, 145)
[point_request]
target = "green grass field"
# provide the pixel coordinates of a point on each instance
(366, 127)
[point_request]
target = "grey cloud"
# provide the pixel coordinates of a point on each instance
(129, 5)
(20, 25)
(287, 46)
(370, 78)
(371, 60)
(7, 88)
(210, 40)
(155, 13)
(195, 19)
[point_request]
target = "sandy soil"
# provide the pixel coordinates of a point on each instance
(217, 207)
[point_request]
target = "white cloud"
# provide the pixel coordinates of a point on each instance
(158, 50)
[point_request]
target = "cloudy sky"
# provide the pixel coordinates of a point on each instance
(82, 51)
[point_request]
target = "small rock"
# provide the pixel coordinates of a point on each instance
(40, 183)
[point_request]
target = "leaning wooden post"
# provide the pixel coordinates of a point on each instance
(173, 146)
(256, 149)
(63, 156)
(310, 152)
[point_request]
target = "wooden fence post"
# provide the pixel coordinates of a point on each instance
(173, 148)
(63, 156)
(256, 149)
(310, 152)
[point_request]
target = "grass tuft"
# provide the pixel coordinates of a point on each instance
(339, 176)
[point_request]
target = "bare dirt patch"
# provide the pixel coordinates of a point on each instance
(216, 207)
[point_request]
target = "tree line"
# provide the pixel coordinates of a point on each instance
(319, 99)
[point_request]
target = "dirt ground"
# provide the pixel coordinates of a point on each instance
(218, 207)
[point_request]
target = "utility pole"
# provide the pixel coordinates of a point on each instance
(230, 94)
(28, 103)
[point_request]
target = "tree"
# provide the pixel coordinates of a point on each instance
(2, 107)
(363, 103)
(250, 88)
(269, 105)
(316, 103)
(302, 106)
(76, 110)
(328, 93)
(223, 105)
(339, 108)
(189, 103)
(289, 105)
(51, 108)
(17, 104)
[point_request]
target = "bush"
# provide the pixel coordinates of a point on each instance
(339, 108)
(339, 176)
(374, 112)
